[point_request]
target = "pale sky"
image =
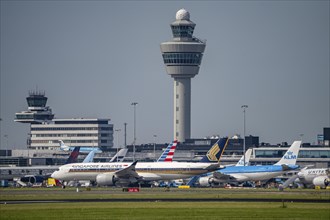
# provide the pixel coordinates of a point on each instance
(94, 58)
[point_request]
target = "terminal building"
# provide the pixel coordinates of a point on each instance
(77, 132)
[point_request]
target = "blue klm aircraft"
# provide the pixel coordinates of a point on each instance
(233, 174)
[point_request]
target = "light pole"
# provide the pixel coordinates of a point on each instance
(134, 104)
(6, 136)
(125, 124)
(244, 107)
(155, 147)
(301, 137)
(117, 130)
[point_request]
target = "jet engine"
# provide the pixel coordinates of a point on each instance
(205, 181)
(321, 181)
(106, 179)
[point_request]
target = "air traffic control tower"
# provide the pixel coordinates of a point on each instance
(182, 57)
(37, 112)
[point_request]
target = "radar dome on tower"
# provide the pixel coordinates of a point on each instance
(182, 14)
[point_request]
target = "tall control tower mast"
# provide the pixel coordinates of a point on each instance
(182, 57)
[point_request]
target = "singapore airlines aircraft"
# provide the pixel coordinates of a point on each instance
(255, 173)
(122, 174)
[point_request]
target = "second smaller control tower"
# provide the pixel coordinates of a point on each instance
(37, 112)
(182, 57)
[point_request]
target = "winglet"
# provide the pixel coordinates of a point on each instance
(134, 163)
(216, 151)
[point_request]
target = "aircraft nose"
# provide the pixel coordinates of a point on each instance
(54, 175)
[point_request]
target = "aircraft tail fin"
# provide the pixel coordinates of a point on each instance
(73, 158)
(216, 151)
(89, 158)
(291, 156)
(167, 155)
(119, 157)
(63, 146)
(247, 158)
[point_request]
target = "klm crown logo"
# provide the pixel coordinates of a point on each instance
(290, 156)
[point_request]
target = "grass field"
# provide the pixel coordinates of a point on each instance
(163, 210)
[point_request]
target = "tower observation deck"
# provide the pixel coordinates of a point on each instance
(182, 57)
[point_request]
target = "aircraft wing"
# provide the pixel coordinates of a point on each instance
(222, 176)
(213, 167)
(285, 167)
(128, 172)
(289, 181)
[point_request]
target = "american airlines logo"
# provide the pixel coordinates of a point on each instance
(290, 156)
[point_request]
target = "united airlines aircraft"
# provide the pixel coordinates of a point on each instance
(311, 177)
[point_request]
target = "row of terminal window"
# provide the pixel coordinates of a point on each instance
(182, 58)
(71, 135)
(72, 141)
(74, 128)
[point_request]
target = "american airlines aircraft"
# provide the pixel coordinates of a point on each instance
(167, 155)
(255, 173)
(123, 174)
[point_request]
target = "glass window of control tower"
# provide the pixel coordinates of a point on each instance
(184, 58)
(182, 31)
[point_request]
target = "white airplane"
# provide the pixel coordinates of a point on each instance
(309, 177)
(123, 174)
(82, 149)
(255, 173)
